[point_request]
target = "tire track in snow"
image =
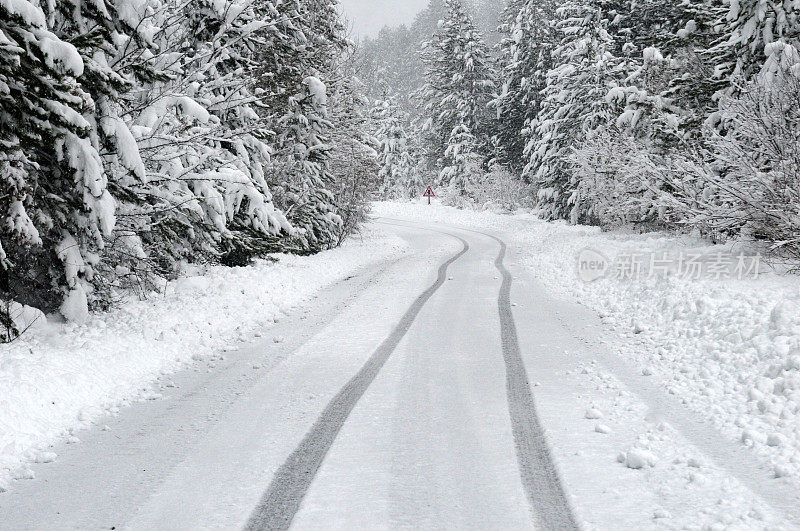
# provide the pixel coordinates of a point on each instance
(291, 482)
(539, 474)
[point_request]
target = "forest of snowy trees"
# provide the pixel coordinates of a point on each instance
(139, 136)
(672, 114)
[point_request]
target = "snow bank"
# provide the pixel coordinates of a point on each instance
(59, 378)
(729, 347)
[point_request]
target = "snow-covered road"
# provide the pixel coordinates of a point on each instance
(401, 399)
(433, 441)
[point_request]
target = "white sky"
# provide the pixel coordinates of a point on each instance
(369, 16)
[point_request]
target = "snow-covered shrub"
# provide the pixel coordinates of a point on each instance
(620, 181)
(501, 190)
(752, 189)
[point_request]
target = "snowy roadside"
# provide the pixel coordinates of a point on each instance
(59, 378)
(728, 348)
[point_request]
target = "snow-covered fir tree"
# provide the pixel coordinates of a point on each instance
(300, 56)
(458, 90)
(669, 66)
(396, 166)
(353, 157)
(57, 207)
(138, 136)
(752, 25)
(584, 70)
(525, 54)
(308, 187)
(202, 140)
(658, 109)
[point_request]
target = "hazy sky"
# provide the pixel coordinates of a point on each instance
(369, 16)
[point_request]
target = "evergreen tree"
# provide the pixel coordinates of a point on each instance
(204, 143)
(658, 108)
(353, 159)
(308, 187)
(459, 86)
(57, 209)
(525, 53)
(396, 167)
(584, 70)
(136, 136)
(301, 54)
(669, 67)
(753, 25)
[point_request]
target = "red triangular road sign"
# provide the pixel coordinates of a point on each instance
(429, 193)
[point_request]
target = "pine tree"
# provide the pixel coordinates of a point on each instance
(134, 137)
(57, 208)
(584, 70)
(670, 70)
(203, 141)
(300, 54)
(353, 159)
(752, 26)
(525, 51)
(657, 109)
(396, 168)
(460, 81)
(308, 189)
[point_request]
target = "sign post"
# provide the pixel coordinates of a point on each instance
(429, 193)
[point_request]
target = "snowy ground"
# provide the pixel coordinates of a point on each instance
(59, 378)
(667, 403)
(727, 350)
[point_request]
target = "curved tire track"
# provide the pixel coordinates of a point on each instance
(538, 472)
(292, 480)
